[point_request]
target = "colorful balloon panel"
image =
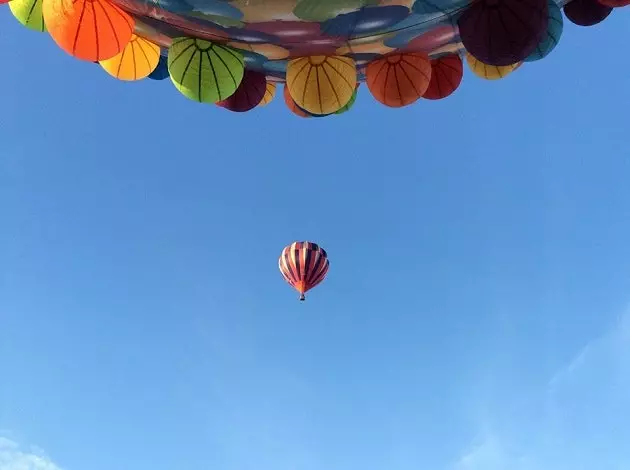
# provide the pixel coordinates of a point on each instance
(323, 10)
(399, 79)
(91, 30)
(203, 71)
(137, 60)
(365, 21)
(321, 84)
(29, 13)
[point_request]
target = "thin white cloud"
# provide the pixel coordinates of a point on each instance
(486, 455)
(491, 453)
(12, 457)
(582, 425)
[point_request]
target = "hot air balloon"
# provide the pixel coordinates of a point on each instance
(219, 51)
(303, 265)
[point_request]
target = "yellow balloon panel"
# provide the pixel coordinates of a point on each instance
(138, 59)
(29, 13)
(270, 92)
(490, 72)
(321, 84)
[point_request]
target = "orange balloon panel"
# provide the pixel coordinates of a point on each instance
(92, 30)
(399, 79)
(137, 60)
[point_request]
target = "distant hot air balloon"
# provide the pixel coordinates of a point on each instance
(303, 265)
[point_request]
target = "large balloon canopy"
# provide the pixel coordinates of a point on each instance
(234, 53)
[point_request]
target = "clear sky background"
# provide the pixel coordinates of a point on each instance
(475, 313)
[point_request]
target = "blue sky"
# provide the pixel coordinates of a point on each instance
(475, 316)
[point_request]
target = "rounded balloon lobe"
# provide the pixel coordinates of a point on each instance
(503, 32)
(161, 71)
(398, 80)
(446, 76)
(586, 12)
(249, 93)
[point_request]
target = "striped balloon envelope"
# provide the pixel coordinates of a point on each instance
(303, 265)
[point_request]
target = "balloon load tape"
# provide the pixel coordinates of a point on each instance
(234, 53)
